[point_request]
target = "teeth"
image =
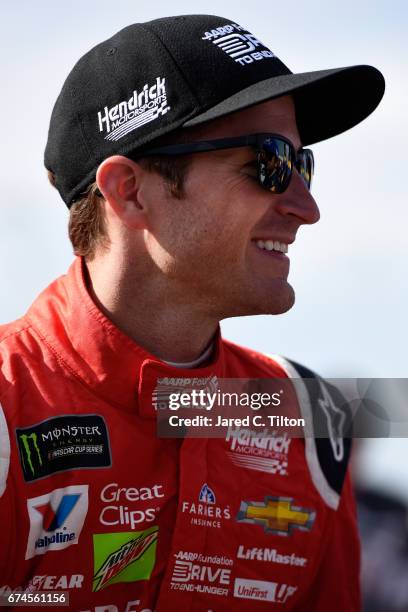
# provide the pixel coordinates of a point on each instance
(272, 245)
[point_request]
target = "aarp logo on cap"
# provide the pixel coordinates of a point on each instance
(239, 44)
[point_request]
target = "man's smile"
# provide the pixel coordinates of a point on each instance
(272, 245)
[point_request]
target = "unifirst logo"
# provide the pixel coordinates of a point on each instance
(142, 107)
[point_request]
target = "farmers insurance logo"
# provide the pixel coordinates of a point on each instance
(63, 443)
(143, 106)
(56, 519)
(123, 557)
(206, 513)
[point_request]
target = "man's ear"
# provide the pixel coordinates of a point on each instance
(119, 179)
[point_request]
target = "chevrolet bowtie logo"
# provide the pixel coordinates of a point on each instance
(276, 515)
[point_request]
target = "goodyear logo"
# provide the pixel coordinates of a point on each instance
(277, 515)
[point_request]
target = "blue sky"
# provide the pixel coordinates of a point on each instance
(349, 270)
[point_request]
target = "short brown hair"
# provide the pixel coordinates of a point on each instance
(87, 222)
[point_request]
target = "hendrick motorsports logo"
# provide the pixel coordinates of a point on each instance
(263, 451)
(123, 557)
(142, 107)
(63, 443)
(56, 519)
(276, 515)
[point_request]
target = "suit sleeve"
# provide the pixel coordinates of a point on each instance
(6, 515)
(336, 587)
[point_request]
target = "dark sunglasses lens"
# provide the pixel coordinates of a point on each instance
(275, 164)
(305, 166)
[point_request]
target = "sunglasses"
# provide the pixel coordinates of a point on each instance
(276, 157)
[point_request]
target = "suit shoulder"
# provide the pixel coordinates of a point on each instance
(264, 365)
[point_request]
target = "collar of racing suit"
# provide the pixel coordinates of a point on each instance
(93, 349)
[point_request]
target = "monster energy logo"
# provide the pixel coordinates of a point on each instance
(27, 451)
(50, 446)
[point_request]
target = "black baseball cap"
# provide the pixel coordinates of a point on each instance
(152, 78)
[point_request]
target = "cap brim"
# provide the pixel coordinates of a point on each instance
(328, 102)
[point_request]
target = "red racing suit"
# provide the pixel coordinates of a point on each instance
(94, 503)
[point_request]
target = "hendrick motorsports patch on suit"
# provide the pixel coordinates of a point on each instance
(63, 443)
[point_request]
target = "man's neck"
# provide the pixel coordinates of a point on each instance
(161, 322)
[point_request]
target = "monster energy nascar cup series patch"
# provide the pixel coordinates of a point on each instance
(63, 443)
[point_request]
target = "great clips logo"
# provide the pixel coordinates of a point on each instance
(143, 106)
(56, 519)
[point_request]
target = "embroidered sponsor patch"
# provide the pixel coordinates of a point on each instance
(144, 105)
(123, 557)
(238, 44)
(207, 512)
(262, 590)
(56, 519)
(263, 451)
(68, 442)
(276, 515)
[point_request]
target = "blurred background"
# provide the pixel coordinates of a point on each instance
(349, 271)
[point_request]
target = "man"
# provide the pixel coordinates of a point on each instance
(177, 146)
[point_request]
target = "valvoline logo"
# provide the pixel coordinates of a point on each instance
(56, 519)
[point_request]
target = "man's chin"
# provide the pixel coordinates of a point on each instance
(281, 301)
(276, 301)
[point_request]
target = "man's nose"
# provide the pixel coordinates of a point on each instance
(297, 200)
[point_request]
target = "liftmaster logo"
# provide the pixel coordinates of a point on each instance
(144, 106)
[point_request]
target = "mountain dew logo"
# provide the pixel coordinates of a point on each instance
(123, 557)
(27, 451)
